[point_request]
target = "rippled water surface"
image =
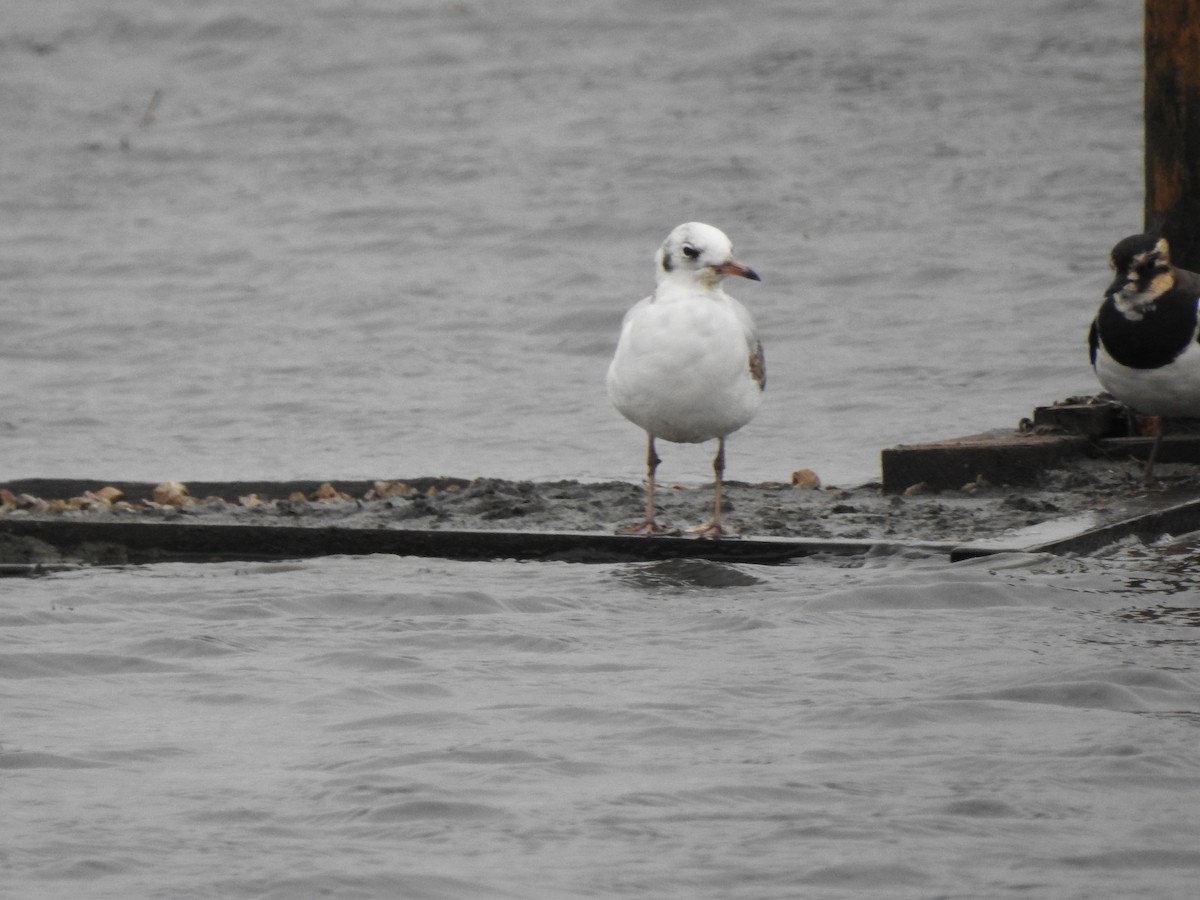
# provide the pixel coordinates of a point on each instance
(895, 727)
(381, 239)
(377, 239)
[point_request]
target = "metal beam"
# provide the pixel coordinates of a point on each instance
(1172, 110)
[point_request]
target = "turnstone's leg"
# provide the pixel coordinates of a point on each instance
(649, 526)
(713, 529)
(1148, 474)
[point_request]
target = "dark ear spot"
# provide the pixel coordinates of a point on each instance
(668, 265)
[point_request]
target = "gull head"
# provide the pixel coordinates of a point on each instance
(698, 252)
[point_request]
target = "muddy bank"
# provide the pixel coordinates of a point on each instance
(977, 511)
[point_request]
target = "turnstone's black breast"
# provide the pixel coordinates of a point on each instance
(1164, 331)
(1143, 340)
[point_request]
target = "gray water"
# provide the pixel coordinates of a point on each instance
(393, 239)
(380, 239)
(390, 727)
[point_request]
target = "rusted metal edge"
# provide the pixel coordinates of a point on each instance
(84, 543)
(122, 543)
(1180, 518)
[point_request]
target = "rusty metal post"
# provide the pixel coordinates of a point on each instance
(1172, 107)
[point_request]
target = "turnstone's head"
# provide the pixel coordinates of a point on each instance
(701, 253)
(1142, 266)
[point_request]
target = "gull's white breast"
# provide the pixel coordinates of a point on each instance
(682, 366)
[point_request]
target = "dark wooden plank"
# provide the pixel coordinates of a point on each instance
(1182, 518)
(1175, 519)
(111, 542)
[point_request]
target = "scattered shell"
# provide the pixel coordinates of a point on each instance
(172, 493)
(252, 501)
(297, 497)
(385, 489)
(91, 501)
(32, 503)
(979, 484)
(109, 493)
(327, 493)
(921, 487)
(806, 479)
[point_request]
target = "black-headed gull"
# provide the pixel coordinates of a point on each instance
(689, 365)
(1143, 341)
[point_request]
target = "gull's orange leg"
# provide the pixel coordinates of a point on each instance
(713, 529)
(649, 525)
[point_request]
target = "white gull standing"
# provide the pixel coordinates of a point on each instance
(689, 365)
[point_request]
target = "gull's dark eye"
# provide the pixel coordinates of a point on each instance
(690, 252)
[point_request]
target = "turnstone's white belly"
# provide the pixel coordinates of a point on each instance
(1170, 390)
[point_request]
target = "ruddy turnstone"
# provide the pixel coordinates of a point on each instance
(689, 365)
(1143, 340)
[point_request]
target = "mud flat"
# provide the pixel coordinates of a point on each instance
(1080, 506)
(1067, 480)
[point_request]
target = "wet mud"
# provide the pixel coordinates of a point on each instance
(1103, 489)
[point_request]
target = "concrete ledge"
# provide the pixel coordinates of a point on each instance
(999, 458)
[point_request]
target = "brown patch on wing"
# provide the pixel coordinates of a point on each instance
(758, 365)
